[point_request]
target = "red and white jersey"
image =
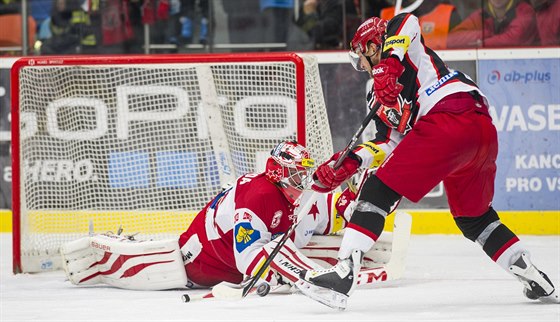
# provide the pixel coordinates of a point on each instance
(426, 80)
(226, 239)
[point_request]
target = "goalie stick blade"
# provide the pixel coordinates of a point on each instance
(196, 297)
(323, 295)
(224, 291)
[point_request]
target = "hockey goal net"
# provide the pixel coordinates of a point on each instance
(144, 142)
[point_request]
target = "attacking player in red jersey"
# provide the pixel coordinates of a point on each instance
(433, 125)
(229, 239)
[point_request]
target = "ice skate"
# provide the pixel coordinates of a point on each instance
(332, 286)
(537, 285)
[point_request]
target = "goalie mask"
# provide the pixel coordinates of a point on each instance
(370, 31)
(288, 167)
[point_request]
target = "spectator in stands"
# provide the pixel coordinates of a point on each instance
(436, 19)
(356, 11)
(10, 6)
(72, 32)
(321, 20)
(160, 15)
(243, 21)
(276, 15)
(370, 8)
(548, 21)
(498, 23)
(187, 10)
(41, 12)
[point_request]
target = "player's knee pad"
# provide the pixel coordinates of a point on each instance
(376, 201)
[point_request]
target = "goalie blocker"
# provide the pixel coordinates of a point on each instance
(158, 265)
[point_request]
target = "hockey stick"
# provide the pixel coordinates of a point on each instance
(222, 290)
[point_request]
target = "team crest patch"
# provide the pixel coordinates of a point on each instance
(276, 219)
(245, 235)
(398, 116)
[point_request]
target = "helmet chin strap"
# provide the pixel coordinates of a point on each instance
(368, 58)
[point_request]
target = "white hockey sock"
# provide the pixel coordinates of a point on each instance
(509, 256)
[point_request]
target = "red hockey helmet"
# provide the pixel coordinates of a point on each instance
(371, 30)
(288, 167)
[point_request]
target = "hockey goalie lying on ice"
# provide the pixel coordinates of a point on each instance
(235, 233)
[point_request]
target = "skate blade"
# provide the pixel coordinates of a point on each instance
(551, 299)
(325, 296)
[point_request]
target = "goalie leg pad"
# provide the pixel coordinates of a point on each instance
(123, 263)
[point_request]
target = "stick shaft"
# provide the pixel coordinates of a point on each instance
(357, 135)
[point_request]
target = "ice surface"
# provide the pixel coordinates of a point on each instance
(447, 278)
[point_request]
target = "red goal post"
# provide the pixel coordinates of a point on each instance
(143, 142)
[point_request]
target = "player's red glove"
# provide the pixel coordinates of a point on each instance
(385, 81)
(327, 179)
(343, 204)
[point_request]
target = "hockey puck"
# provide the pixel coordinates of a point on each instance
(186, 298)
(263, 289)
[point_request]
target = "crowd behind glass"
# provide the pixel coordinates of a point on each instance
(56, 27)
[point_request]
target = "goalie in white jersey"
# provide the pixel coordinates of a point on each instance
(433, 125)
(229, 239)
